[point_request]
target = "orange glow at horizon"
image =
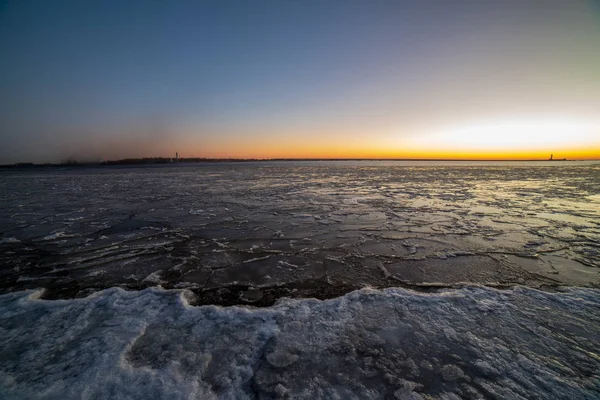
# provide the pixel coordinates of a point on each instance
(341, 152)
(503, 139)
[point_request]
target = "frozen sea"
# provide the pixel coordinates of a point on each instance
(346, 279)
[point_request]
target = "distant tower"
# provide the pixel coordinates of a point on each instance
(176, 156)
(551, 155)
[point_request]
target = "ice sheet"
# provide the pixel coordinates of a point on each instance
(219, 227)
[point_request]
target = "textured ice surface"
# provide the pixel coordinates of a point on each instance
(299, 229)
(472, 342)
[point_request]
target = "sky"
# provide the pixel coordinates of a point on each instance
(95, 80)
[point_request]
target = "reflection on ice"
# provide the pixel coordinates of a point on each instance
(212, 227)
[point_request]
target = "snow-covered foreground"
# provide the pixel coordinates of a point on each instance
(471, 342)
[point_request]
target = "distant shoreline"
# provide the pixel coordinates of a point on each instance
(170, 161)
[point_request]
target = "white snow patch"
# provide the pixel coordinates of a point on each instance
(391, 343)
(54, 236)
(255, 259)
(9, 240)
(153, 278)
(287, 264)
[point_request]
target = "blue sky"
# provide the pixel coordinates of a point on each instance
(111, 79)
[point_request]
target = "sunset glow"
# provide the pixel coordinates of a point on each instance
(356, 79)
(514, 139)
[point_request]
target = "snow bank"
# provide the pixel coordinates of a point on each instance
(473, 342)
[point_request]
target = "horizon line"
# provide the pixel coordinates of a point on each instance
(180, 160)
